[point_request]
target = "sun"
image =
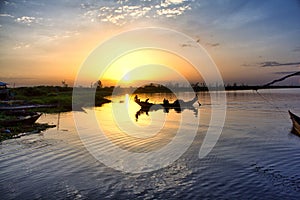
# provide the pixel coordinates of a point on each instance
(121, 68)
(145, 65)
(126, 80)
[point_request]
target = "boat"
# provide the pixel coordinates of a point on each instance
(19, 118)
(177, 104)
(23, 107)
(296, 123)
(180, 103)
(143, 104)
(166, 110)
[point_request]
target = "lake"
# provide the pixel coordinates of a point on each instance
(255, 157)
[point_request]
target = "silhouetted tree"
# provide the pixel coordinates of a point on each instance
(98, 84)
(64, 83)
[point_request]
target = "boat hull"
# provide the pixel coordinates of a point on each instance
(26, 120)
(178, 104)
(296, 123)
(24, 107)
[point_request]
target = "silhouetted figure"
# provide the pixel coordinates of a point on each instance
(136, 99)
(165, 101)
(140, 112)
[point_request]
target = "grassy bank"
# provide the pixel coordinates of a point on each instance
(59, 97)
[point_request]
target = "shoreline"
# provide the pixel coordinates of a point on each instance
(61, 100)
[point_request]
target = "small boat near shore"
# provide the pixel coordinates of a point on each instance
(23, 107)
(19, 118)
(296, 123)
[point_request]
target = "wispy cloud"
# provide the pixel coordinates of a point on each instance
(297, 49)
(249, 65)
(285, 72)
(25, 19)
(8, 3)
(207, 44)
(186, 45)
(62, 35)
(6, 15)
(28, 20)
(176, 1)
(213, 44)
(21, 45)
(122, 12)
(277, 64)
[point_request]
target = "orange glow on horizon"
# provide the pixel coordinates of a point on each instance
(148, 65)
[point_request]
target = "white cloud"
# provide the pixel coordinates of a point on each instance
(175, 1)
(6, 15)
(6, 3)
(25, 19)
(28, 20)
(173, 12)
(21, 45)
(57, 36)
(127, 11)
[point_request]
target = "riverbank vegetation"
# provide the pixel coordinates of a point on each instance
(58, 98)
(42, 99)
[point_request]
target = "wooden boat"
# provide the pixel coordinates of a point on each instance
(20, 118)
(24, 107)
(296, 123)
(143, 104)
(177, 104)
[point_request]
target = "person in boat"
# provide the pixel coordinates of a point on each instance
(136, 99)
(166, 101)
(176, 103)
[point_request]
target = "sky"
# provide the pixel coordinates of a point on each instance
(251, 41)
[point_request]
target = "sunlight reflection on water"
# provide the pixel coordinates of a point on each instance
(120, 143)
(255, 158)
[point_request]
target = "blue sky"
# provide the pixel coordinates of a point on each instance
(251, 42)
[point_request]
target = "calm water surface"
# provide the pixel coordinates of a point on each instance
(256, 157)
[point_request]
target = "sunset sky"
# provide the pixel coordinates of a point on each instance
(251, 42)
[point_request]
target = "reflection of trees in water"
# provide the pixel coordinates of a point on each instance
(165, 109)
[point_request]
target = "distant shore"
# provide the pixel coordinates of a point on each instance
(60, 98)
(163, 89)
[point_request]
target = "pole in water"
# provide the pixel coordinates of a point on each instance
(58, 118)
